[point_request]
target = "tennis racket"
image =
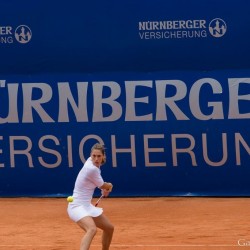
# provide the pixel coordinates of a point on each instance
(96, 204)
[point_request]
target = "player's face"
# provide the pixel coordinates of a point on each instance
(97, 157)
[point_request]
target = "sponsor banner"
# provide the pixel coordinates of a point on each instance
(123, 36)
(166, 133)
(165, 89)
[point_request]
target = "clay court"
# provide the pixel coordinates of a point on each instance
(140, 223)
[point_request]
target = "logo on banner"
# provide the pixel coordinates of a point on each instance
(23, 34)
(9, 34)
(217, 27)
(182, 29)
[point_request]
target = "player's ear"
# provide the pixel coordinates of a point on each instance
(104, 159)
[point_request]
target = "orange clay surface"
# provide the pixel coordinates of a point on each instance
(140, 223)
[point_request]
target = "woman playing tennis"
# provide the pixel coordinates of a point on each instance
(87, 216)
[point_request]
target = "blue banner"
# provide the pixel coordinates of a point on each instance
(53, 36)
(165, 133)
(165, 89)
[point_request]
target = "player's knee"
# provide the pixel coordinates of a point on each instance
(110, 228)
(92, 230)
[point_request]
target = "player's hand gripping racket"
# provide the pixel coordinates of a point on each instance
(105, 193)
(96, 204)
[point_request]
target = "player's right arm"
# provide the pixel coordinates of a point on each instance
(107, 186)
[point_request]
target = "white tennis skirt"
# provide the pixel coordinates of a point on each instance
(77, 212)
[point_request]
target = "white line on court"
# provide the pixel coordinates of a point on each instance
(124, 245)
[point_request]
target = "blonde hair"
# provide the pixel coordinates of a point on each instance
(101, 148)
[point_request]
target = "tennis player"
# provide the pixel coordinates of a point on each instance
(86, 215)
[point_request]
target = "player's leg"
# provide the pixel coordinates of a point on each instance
(103, 223)
(88, 225)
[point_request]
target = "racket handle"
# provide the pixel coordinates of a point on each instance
(96, 204)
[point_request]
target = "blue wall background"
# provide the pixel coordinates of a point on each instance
(170, 102)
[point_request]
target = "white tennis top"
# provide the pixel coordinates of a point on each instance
(87, 180)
